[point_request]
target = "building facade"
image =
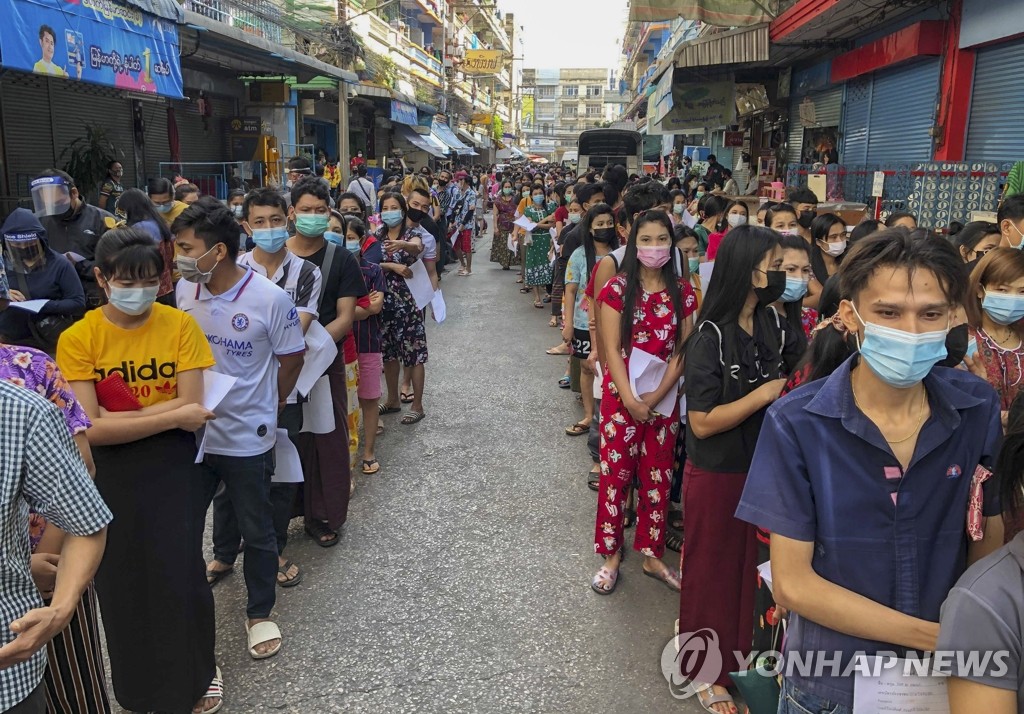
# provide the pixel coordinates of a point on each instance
(565, 102)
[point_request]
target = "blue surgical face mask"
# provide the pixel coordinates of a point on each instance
(337, 238)
(1019, 246)
(133, 301)
(538, 199)
(391, 218)
(796, 288)
(1002, 308)
(311, 225)
(575, 217)
(694, 264)
(900, 359)
(163, 207)
(353, 246)
(270, 240)
(677, 208)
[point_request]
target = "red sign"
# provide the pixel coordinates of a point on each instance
(733, 139)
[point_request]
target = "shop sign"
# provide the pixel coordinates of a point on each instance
(733, 139)
(246, 125)
(99, 41)
(696, 107)
(481, 62)
(404, 113)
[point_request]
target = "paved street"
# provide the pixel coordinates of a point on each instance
(461, 583)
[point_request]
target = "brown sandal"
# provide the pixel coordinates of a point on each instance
(578, 429)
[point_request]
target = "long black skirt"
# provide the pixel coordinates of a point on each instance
(156, 606)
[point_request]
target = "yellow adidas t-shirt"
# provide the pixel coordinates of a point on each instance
(148, 357)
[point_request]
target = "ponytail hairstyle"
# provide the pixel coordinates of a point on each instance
(630, 268)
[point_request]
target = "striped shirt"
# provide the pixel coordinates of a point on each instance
(297, 276)
(39, 468)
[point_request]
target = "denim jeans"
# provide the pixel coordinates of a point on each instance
(594, 436)
(797, 701)
(244, 506)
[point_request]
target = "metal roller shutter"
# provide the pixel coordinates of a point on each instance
(996, 128)
(28, 140)
(204, 142)
(903, 113)
(78, 105)
(828, 106)
(855, 121)
(157, 148)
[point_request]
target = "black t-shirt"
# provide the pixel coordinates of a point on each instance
(345, 280)
(571, 240)
(430, 226)
(750, 361)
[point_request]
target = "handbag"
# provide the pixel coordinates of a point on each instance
(761, 693)
(114, 394)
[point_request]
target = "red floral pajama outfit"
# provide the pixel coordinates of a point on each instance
(628, 448)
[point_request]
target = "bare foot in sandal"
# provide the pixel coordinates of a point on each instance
(715, 698)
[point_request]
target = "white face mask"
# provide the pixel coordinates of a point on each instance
(736, 219)
(835, 249)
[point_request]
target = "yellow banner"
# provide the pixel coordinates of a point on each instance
(528, 111)
(481, 62)
(482, 119)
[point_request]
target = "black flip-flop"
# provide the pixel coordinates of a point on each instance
(674, 540)
(629, 518)
(283, 570)
(593, 480)
(384, 409)
(368, 464)
(215, 576)
(413, 418)
(317, 530)
(406, 397)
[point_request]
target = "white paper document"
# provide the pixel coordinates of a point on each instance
(511, 243)
(706, 269)
(318, 412)
(419, 285)
(29, 305)
(645, 374)
(893, 687)
(525, 223)
(598, 382)
(689, 219)
(287, 467)
(765, 571)
(321, 351)
(215, 387)
(438, 307)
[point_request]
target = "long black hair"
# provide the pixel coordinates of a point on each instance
(385, 228)
(739, 255)
(794, 310)
(820, 227)
(599, 209)
(630, 268)
(723, 222)
(136, 207)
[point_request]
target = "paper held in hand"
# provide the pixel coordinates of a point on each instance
(888, 685)
(645, 374)
(525, 223)
(419, 284)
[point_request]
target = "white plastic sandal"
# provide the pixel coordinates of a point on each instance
(263, 632)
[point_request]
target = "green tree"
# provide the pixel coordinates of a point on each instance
(88, 157)
(497, 128)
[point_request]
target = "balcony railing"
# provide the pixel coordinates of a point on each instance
(257, 17)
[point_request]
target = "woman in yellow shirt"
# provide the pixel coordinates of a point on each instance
(157, 608)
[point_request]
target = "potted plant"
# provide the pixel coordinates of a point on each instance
(88, 157)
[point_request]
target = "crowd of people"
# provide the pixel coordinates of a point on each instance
(810, 410)
(831, 401)
(294, 306)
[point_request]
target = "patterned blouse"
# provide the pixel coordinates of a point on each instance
(35, 371)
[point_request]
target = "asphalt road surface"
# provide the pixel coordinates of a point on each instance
(462, 580)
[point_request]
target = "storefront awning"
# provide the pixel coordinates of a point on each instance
(420, 141)
(445, 134)
(369, 90)
(475, 140)
(167, 9)
(743, 46)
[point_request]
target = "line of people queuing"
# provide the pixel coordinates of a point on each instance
(833, 401)
(118, 327)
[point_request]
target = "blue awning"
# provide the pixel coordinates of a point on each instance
(445, 134)
(420, 141)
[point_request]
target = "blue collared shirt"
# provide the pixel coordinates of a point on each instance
(822, 472)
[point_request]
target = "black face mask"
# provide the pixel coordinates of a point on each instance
(774, 289)
(956, 346)
(971, 265)
(442, 182)
(806, 218)
(603, 235)
(415, 214)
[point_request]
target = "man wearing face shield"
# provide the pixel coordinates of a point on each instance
(71, 226)
(36, 272)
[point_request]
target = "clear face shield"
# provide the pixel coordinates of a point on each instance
(51, 196)
(24, 252)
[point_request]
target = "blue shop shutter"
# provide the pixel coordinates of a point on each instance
(903, 112)
(856, 109)
(995, 131)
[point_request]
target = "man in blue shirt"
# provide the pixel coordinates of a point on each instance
(864, 478)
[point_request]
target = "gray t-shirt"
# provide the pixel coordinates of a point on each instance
(984, 614)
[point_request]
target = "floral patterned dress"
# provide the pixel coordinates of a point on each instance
(403, 332)
(538, 264)
(506, 208)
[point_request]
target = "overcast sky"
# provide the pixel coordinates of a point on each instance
(569, 33)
